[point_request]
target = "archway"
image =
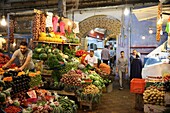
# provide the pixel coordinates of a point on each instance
(99, 21)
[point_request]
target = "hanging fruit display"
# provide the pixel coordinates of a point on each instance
(159, 22)
(43, 23)
(11, 28)
(36, 26)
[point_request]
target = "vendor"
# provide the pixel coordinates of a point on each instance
(91, 59)
(24, 55)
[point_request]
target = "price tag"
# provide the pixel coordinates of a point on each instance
(32, 94)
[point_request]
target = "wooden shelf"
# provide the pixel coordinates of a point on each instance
(46, 75)
(73, 44)
(62, 92)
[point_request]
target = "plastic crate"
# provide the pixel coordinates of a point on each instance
(137, 85)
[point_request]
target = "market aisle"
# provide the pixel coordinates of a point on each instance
(115, 102)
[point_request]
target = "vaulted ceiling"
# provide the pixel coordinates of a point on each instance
(7, 6)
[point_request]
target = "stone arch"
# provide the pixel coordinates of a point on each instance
(99, 21)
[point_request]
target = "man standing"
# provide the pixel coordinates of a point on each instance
(111, 51)
(122, 68)
(105, 55)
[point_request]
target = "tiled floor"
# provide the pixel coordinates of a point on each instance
(117, 101)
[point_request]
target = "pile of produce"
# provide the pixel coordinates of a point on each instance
(35, 79)
(37, 101)
(4, 95)
(104, 67)
(153, 96)
(53, 58)
(57, 75)
(102, 73)
(97, 80)
(67, 50)
(50, 37)
(79, 53)
(17, 81)
(67, 105)
(13, 109)
(4, 59)
(48, 103)
(89, 93)
(41, 51)
(71, 37)
(55, 61)
(72, 80)
(91, 89)
(166, 79)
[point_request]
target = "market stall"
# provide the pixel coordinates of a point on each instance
(59, 71)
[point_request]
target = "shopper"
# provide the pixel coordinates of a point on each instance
(122, 68)
(136, 68)
(112, 53)
(134, 53)
(91, 59)
(24, 55)
(105, 55)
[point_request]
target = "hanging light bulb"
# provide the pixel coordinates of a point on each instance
(126, 11)
(92, 31)
(3, 21)
(69, 23)
(14, 44)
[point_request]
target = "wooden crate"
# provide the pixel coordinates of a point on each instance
(139, 105)
(167, 99)
(149, 108)
(109, 88)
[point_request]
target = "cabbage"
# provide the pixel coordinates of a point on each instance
(97, 83)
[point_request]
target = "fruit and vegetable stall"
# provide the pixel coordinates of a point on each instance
(152, 93)
(59, 73)
(41, 92)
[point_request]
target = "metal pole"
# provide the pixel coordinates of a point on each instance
(129, 27)
(8, 23)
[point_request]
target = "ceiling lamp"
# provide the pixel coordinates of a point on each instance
(126, 11)
(3, 21)
(143, 37)
(150, 31)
